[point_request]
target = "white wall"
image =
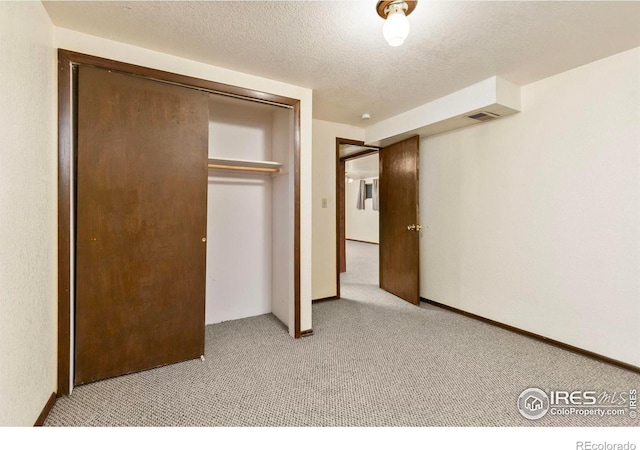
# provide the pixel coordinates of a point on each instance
(447, 113)
(324, 187)
(92, 45)
(238, 246)
(282, 209)
(360, 224)
(28, 213)
(534, 220)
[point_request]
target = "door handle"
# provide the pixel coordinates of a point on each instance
(414, 227)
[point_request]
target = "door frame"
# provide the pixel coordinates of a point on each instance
(67, 119)
(340, 201)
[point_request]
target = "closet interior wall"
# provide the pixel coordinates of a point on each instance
(250, 214)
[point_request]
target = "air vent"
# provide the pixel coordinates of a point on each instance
(483, 116)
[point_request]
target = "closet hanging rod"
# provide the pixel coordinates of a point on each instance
(243, 168)
(245, 165)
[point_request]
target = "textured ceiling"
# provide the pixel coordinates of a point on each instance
(337, 49)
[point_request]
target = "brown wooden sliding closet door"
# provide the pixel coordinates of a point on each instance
(141, 224)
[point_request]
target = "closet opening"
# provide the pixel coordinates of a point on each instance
(357, 219)
(253, 166)
(249, 201)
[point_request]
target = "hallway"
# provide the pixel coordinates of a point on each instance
(363, 264)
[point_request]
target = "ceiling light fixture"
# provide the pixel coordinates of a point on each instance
(396, 25)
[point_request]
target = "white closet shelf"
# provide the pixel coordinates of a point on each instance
(244, 165)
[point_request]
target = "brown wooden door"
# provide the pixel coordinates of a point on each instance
(398, 196)
(141, 224)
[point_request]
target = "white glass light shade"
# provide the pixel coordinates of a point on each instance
(396, 27)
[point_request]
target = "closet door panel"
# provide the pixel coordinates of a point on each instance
(141, 224)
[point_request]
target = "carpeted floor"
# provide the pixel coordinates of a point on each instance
(374, 360)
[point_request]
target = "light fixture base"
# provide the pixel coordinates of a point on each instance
(382, 6)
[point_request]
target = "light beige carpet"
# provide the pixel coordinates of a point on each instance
(374, 360)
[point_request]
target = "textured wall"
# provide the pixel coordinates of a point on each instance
(28, 213)
(534, 220)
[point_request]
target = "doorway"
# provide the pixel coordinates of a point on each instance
(356, 170)
(398, 212)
